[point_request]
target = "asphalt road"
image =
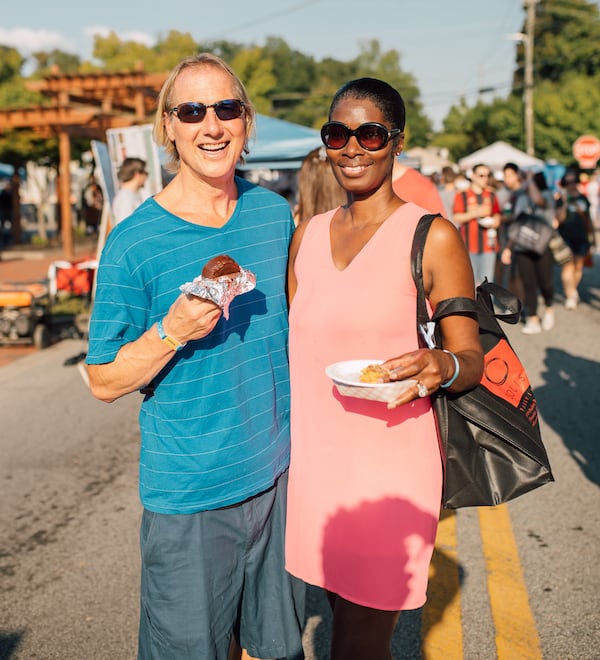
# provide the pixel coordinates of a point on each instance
(69, 517)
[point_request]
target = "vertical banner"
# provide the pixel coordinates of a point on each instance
(135, 142)
(104, 175)
(103, 170)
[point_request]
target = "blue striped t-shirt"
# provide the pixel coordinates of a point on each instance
(216, 429)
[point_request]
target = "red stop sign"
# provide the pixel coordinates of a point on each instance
(586, 150)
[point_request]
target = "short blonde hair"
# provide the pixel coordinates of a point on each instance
(165, 103)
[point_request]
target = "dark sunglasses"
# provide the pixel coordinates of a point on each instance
(371, 135)
(194, 113)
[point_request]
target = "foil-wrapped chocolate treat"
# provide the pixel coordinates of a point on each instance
(221, 280)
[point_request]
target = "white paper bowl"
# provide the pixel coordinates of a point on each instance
(346, 377)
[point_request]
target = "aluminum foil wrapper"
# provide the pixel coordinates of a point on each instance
(221, 290)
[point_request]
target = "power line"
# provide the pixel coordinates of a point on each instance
(267, 17)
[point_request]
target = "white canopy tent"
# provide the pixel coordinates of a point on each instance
(496, 155)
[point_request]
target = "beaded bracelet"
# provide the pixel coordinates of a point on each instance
(456, 369)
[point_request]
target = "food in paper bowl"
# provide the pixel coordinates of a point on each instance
(374, 373)
(346, 377)
(221, 280)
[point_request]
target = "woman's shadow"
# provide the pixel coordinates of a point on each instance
(413, 625)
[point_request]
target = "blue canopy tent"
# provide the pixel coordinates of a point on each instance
(279, 144)
(6, 171)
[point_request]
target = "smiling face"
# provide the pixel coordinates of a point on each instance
(209, 149)
(356, 169)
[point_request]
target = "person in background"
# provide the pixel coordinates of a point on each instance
(513, 183)
(447, 190)
(477, 215)
(92, 201)
(318, 189)
(366, 478)
(132, 177)
(214, 417)
(536, 272)
(412, 186)
(576, 227)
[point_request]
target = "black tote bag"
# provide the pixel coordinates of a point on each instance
(489, 436)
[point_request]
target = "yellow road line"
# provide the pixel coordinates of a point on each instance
(516, 633)
(441, 617)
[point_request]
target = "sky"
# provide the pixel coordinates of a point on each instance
(453, 49)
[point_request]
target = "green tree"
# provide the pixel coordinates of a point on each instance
(294, 71)
(563, 112)
(11, 63)
(226, 50)
(466, 129)
(566, 62)
(170, 50)
(295, 79)
(257, 73)
(566, 38)
(311, 108)
(17, 146)
(47, 61)
(116, 55)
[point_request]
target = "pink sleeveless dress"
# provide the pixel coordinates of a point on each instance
(365, 482)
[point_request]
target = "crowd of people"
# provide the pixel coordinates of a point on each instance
(484, 214)
(256, 476)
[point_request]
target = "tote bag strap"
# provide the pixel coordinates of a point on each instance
(416, 263)
(493, 299)
(444, 308)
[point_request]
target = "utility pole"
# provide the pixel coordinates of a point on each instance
(528, 41)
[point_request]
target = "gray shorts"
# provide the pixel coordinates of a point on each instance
(210, 574)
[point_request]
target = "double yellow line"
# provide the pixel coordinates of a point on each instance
(516, 633)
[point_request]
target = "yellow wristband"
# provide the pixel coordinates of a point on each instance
(171, 342)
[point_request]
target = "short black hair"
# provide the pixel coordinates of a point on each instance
(380, 93)
(512, 166)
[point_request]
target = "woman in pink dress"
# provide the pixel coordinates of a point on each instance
(366, 477)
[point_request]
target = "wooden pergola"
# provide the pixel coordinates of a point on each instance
(84, 106)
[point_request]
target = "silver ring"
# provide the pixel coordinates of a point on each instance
(421, 390)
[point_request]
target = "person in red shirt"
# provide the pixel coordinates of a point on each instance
(412, 186)
(477, 215)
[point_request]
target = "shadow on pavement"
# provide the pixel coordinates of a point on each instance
(9, 643)
(569, 400)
